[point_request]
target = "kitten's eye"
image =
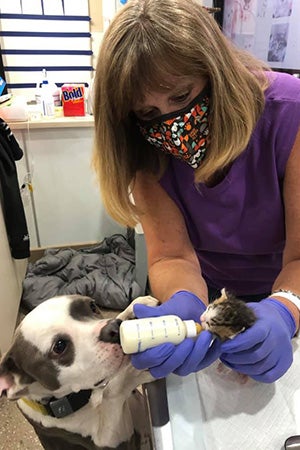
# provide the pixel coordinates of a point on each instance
(60, 346)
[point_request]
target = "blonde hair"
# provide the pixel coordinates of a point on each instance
(147, 40)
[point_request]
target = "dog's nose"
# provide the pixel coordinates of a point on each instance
(110, 332)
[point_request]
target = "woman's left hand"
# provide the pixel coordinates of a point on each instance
(264, 351)
(182, 359)
(190, 355)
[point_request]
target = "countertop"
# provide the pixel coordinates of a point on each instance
(55, 122)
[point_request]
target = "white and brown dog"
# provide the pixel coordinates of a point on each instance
(72, 380)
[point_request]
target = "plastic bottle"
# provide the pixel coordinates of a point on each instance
(47, 96)
(139, 334)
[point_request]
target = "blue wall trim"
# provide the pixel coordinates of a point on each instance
(45, 52)
(43, 34)
(33, 85)
(51, 68)
(44, 17)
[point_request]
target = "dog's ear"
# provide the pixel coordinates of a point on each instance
(6, 379)
(24, 364)
(8, 373)
(31, 365)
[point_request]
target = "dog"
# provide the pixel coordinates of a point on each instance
(72, 381)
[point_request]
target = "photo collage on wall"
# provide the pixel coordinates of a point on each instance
(267, 28)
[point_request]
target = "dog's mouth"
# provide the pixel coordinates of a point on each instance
(3, 393)
(102, 383)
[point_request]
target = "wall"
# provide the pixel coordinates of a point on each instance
(101, 13)
(96, 26)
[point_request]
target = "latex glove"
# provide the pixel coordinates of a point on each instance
(264, 351)
(190, 355)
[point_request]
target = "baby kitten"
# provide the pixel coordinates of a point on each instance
(227, 316)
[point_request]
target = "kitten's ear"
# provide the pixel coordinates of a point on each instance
(222, 298)
(224, 294)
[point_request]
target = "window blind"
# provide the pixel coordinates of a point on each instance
(45, 34)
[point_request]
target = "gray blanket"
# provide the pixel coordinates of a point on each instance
(105, 272)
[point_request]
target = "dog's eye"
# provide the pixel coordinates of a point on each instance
(94, 307)
(60, 346)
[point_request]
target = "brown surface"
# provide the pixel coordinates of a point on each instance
(15, 431)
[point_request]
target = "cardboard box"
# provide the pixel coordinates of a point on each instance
(73, 99)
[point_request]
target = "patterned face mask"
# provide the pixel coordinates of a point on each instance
(184, 133)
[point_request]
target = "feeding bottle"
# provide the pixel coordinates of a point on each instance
(137, 335)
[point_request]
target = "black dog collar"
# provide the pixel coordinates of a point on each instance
(61, 407)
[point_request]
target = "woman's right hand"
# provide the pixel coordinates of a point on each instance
(189, 356)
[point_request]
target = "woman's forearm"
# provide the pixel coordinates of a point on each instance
(170, 275)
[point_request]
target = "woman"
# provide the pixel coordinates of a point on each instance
(207, 140)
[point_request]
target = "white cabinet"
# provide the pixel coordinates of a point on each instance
(65, 206)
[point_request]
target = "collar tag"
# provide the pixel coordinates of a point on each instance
(61, 407)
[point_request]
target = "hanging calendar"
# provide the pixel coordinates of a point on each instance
(269, 29)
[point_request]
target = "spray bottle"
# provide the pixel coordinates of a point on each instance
(139, 334)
